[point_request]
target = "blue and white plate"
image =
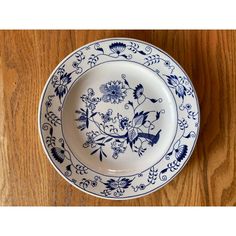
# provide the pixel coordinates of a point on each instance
(118, 118)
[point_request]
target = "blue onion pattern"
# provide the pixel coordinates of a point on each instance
(123, 133)
(115, 129)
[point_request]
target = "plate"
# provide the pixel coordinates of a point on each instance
(118, 118)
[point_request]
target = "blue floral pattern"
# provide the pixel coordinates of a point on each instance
(107, 116)
(114, 91)
(61, 79)
(117, 147)
(177, 84)
(124, 123)
(125, 133)
(122, 131)
(117, 47)
(138, 91)
(60, 83)
(117, 186)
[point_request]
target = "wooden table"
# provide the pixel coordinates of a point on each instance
(28, 57)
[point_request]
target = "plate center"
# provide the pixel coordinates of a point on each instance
(119, 118)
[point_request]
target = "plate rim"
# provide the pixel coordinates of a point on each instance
(40, 130)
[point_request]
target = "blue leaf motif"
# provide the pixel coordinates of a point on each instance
(138, 120)
(132, 135)
(157, 115)
(153, 100)
(95, 113)
(100, 139)
(51, 131)
(130, 103)
(100, 155)
(108, 140)
(188, 136)
(94, 151)
(164, 170)
(123, 55)
(100, 49)
(105, 155)
(142, 52)
(87, 120)
(126, 82)
(152, 176)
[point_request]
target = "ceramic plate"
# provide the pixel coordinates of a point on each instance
(118, 118)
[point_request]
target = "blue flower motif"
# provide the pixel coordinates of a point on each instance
(123, 183)
(90, 142)
(119, 131)
(138, 91)
(117, 147)
(107, 116)
(113, 91)
(140, 118)
(58, 154)
(188, 106)
(181, 152)
(180, 89)
(183, 124)
(117, 47)
(61, 88)
(90, 100)
(124, 123)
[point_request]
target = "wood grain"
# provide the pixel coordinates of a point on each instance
(28, 57)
